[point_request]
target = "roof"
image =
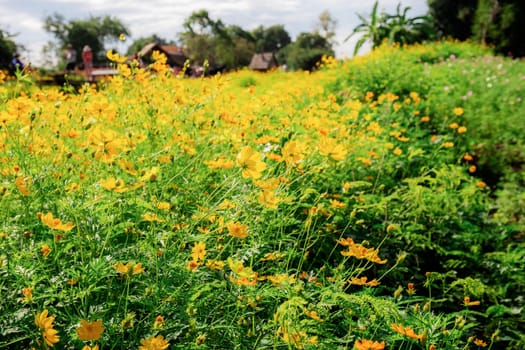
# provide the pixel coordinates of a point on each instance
(175, 54)
(263, 61)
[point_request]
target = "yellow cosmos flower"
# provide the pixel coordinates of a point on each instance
(90, 330)
(250, 163)
(154, 343)
(87, 347)
(238, 230)
(55, 224)
(125, 269)
(329, 147)
(219, 163)
(43, 321)
(366, 344)
(213, 264)
(23, 184)
(458, 111)
(293, 152)
(198, 252)
(45, 249)
(50, 336)
(122, 37)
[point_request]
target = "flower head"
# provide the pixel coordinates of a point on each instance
(238, 230)
(90, 330)
(250, 162)
(366, 344)
(154, 343)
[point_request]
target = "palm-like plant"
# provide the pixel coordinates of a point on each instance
(396, 28)
(374, 29)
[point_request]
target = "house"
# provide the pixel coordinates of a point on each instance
(263, 61)
(174, 53)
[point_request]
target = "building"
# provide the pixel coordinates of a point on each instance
(263, 61)
(174, 53)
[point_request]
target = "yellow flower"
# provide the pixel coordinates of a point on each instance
(467, 302)
(292, 152)
(398, 151)
(28, 295)
(45, 250)
(480, 342)
(214, 264)
(124, 269)
(43, 321)
(56, 224)
(23, 185)
(159, 322)
(329, 147)
(425, 119)
(219, 163)
(458, 111)
(366, 344)
(122, 37)
(448, 144)
(152, 217)
(362, 281)
(50, 336)
(87, 347)
(462, 130)
(198, 252)
(90, 330)
(154, 343)
(454, 125)
(250, 163)
(238, 230)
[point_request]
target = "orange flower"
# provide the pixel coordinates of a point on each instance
(90, 330)
(50, 336)
(28, 295)
(43, 321)
(480, 342)
(366, 344)
(362, 281)
(45, 250)
(407, 331)
(154, 343)
(237, 230)
(467, 302)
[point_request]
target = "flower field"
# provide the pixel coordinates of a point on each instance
(376, 203)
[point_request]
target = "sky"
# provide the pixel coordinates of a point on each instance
(164, 18)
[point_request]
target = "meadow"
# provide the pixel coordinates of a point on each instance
(376, 203)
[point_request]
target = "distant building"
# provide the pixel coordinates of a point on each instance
(263, 61)
(174, 53)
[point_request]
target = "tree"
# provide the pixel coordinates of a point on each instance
(326, 26)
(139, 43)
(7, 49)
(97, 32)
(495, 22)
(307, 50)
(271, 39)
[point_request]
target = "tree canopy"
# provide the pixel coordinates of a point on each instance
(97, 32)
(7, 48)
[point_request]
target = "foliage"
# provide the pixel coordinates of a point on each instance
(307, 51)
(7, 49)
(496, 22)
(396, 28)
(97, 32)
(249, 210)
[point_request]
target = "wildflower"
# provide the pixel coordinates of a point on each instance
(53, 223)
(462, 130)
(398, 151)
(154, 343)
(329, 147)
(467, 302)
(313, 314)
(250, 163)
(454, 125)
(90, 330)
(159, 322)
(458, 111)
(425, 119)
(448, 144)
(23, 185)
(45, 323)
(198, 252)
(472, 169)
(28, 295)
(410, 289)
(124, 269)
(50, 336)
(219, 163)
(193, 265)
(366, 344)
(45, 250)
(238, 230)
(467, 157)
(293, 152)
(152, 217)
(122, 37)
(407, 331)
(363, 281)
(214, 264)
(481, 184)
(87, 347)
(164, 206)
(480, 342)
